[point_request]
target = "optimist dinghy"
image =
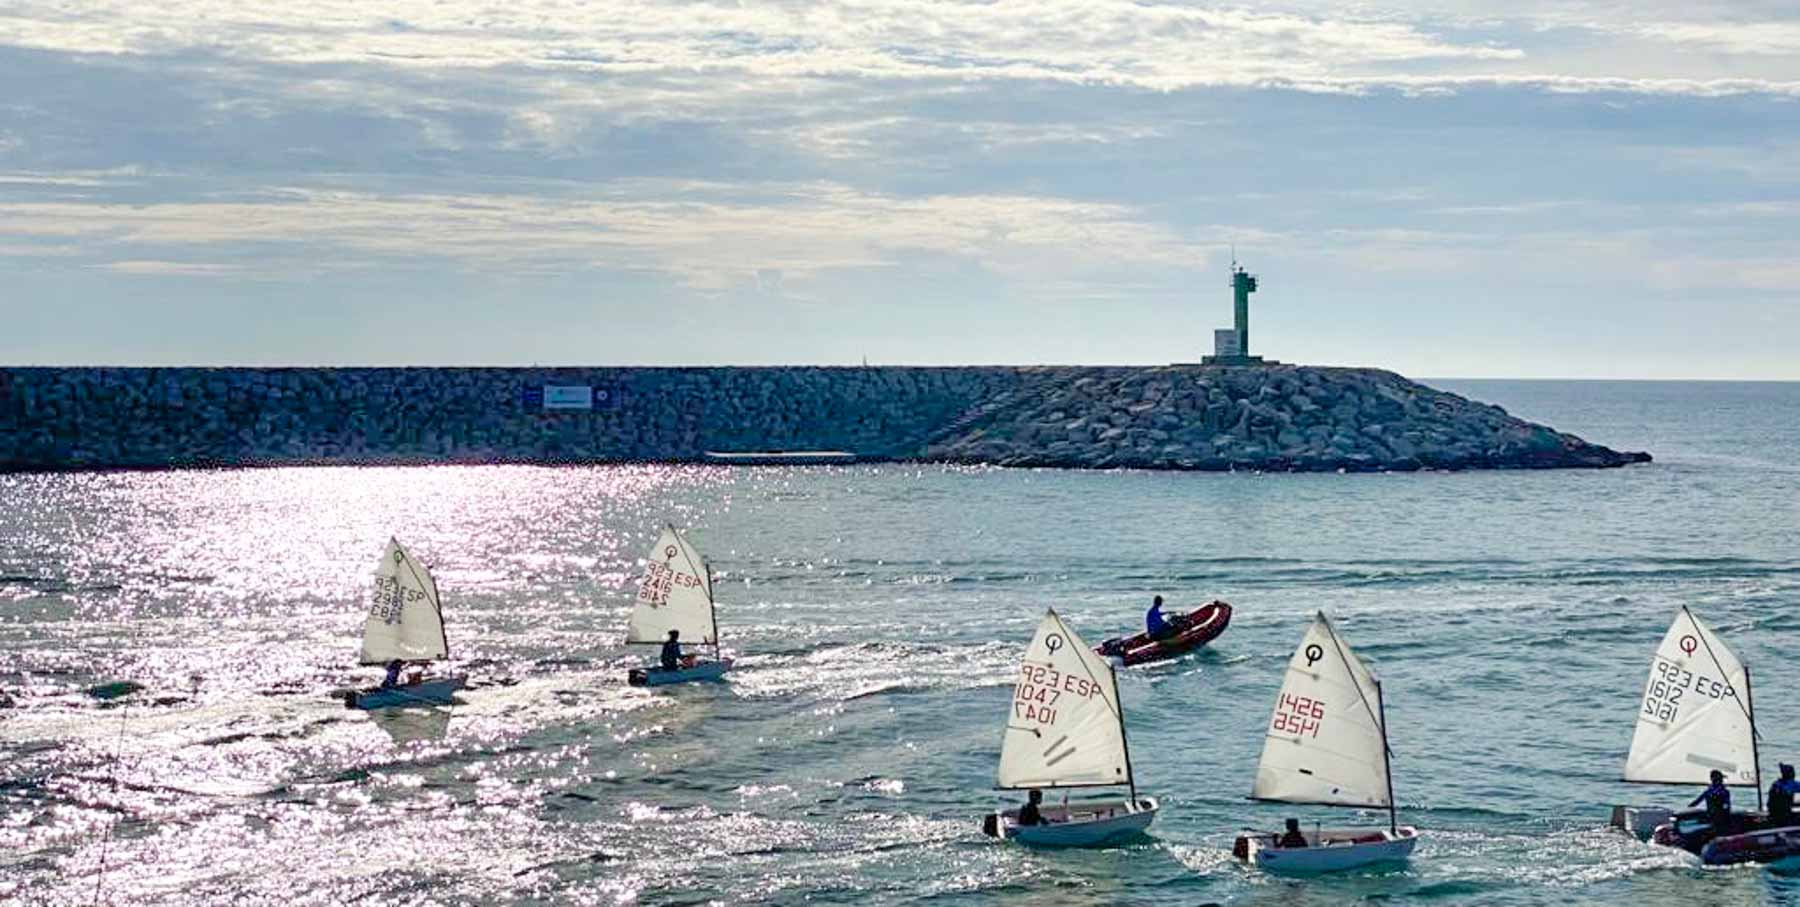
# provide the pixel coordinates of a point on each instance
(1697, 716)
(675, 594)
(1327, 744)
(1066, 729)
(405, 623)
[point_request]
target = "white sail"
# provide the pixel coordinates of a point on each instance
(1063, 726)
(1695, 714)
(406, 620)
(674, 594)
(1324, 742)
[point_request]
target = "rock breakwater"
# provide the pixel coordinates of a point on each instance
(1172, 417)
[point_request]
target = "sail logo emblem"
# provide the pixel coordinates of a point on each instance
(1689, 644)
(1053, 642)
(1313, 653)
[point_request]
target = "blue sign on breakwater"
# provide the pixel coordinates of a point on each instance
(577, 397)
(1168, 417)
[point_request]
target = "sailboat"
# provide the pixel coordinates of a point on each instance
(405, 623)
(1066, 729)
(1697, 716)
(1327, 744)
(676, 593)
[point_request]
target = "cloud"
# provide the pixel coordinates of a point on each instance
(1757, 38)
(171, 268)
(709, 235)
(1420, 159)
(725, 47)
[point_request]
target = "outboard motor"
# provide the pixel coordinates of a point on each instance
(1666, 836)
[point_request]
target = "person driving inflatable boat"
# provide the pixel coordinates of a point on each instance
(1154, 623)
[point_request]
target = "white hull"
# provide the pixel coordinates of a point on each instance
(700, 672)
(1640, 821)
(1088, 823)
(1331, 850)
(425, 693)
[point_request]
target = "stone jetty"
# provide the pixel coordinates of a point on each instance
(1171, 417)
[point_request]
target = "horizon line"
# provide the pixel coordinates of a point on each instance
(873, 365)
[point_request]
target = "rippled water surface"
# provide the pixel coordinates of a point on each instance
(877, 613)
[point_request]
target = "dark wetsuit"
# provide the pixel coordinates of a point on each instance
(1029, 815)
(1292, 839)
(1781, 802)
(1718, 805)
(671, 655)
(393, 675)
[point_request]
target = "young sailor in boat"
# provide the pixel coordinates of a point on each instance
(671, 651)
(1781, 798)
(1029, 813)
(393, 674)
(1154, 623)
(1718, 802)
(1292, 837)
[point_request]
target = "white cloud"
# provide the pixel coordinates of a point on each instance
(775, 238)
(1759, 38)
(694, 231)
(171, 268)
(724, 47)
(74, 179)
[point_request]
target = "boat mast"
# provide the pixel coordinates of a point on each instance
(712, 610)
(1124, 744)
(1755, 756)
(1387, 765)
(1749, 704)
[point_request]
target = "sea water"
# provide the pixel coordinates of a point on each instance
(877, 614)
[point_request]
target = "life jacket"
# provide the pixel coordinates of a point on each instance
(1781, 798)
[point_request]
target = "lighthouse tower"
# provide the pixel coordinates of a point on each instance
(1231, 346)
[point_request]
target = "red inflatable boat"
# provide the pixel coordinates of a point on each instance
(1192, 630)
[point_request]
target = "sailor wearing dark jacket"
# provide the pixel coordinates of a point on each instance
(1718, 801)
(671, 651)
(1029, 814)
(1781, 797)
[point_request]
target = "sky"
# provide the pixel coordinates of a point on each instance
(1456, 188)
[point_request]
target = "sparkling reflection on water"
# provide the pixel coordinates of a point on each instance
(877, 613)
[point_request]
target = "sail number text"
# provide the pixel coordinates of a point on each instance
(1669, 681)
(661, 579)
(1298, 715)
(391, 599)
(1041, 687)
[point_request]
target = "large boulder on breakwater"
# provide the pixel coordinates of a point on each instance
(1173, 417)
(1260, 417)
